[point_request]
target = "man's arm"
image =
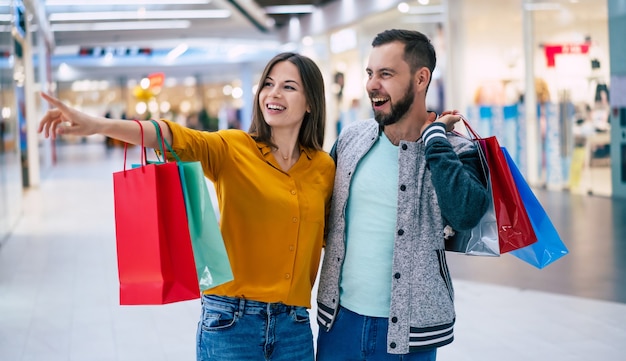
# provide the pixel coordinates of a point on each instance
(458, 180)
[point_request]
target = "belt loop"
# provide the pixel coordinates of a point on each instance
(242, 306)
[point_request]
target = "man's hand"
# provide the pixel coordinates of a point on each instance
(448, 118)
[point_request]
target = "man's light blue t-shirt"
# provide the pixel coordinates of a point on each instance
(370, 231)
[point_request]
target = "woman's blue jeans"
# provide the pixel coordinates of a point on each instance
(361, 338)
(243, 330)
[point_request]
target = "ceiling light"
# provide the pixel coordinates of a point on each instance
(237, 93)
(403, 7)
(290, 9)
(134, 15)
(548, 6)
(165, 106)
(111, 26)
(185, 106)
(6, 112)
(125, 2)
(426, 10)
(343, 40)
(141, 108)
(177, 51)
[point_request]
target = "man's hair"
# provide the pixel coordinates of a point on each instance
(418, 50)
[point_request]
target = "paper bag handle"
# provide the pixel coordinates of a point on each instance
(143, 155)
(481, 154)
(164, 142)
(473, 134)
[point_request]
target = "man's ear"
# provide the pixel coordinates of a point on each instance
(422, 77)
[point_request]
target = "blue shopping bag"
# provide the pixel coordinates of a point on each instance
(549, 246)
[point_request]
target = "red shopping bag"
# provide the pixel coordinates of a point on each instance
(514, 228)
(154, 252)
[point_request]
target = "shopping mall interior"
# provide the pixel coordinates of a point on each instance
(546, 77)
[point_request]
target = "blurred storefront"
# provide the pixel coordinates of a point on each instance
(188, 100)
(557, 130)
(11, 129)
(24, 71)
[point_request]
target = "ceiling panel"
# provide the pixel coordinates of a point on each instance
(215, 32)
(248, 34)
(283, 19)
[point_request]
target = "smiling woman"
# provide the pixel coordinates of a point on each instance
(273, 185)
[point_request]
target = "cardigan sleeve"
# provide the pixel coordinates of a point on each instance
(457, 177)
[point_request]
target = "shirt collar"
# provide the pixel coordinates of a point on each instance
(265, 149)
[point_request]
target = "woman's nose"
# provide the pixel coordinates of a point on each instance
(274, 92)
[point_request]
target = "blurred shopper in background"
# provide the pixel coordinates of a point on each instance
(385, 292)
(273, 185)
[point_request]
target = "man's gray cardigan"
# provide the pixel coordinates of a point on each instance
(439, 184)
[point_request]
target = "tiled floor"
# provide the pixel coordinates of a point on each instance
(58, 284)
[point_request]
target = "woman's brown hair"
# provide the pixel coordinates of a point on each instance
(313, 125)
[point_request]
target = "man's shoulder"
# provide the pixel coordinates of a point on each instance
(460, 143)
(359, 127)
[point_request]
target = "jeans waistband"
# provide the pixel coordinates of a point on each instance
(242, 305)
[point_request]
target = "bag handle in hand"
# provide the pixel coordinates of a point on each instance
(163, 142)
(160, 138)
(143, 155)
(473, 134)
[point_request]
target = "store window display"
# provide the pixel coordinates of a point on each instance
(581, 131)
(591, 160)
(601, 107)
(600, 140)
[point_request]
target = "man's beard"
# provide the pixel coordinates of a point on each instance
(398, 110)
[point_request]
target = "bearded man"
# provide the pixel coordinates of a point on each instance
(385, 292)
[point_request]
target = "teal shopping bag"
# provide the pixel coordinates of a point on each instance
(549, 246)
(212, 263)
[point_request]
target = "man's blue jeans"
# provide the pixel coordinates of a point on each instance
(361, 338)
(243, 330)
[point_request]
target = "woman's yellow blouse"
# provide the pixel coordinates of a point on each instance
(272, 221)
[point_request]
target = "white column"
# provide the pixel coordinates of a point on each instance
(247, 97)
(32, 119)
(42, 70)
(454, 82)
(530, 99)
(617, 29)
